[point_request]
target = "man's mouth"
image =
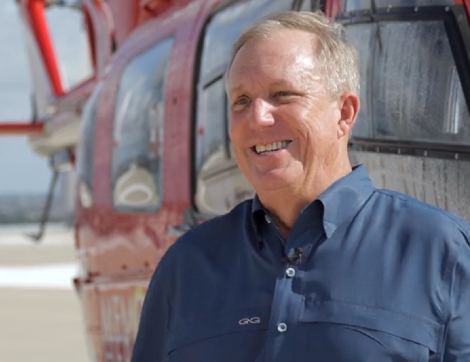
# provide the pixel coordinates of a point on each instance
(271, 147)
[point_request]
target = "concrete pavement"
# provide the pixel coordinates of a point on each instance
(40, 315)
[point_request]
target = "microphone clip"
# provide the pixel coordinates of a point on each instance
(295, 259)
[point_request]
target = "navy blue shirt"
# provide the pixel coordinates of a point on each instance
(365, 275)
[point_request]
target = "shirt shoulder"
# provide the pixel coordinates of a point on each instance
(221, 231)
(424, 216)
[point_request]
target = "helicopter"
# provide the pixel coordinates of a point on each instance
(147, 131)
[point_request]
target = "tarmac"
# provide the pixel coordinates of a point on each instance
(40, 314)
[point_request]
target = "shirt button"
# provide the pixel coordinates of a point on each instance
(290, 272)
(282, 327)
(267, 218)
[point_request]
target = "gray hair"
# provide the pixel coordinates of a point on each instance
(337, 58)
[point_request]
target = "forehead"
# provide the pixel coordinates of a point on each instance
(286, 55)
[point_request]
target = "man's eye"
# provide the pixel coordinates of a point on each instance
(241, 101)
(283, 94)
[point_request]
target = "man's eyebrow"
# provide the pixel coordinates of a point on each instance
(276, 83)
(237, 89)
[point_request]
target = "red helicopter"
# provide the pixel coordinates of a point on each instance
(147, 133)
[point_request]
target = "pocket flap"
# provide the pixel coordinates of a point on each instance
(242, 320)
(413, 328)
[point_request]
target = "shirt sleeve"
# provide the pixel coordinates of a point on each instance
(152, 336)
(457, 347)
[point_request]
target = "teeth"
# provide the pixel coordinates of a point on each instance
(260, 149)
(272, 146)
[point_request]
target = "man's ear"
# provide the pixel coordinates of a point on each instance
(349, 109)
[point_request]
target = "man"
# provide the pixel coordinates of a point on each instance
(320, 265)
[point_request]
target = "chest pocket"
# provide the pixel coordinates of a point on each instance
(236, 336)
(352, 333)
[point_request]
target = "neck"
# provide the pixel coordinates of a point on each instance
(285, 204)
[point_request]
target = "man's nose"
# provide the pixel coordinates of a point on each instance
(261, 113)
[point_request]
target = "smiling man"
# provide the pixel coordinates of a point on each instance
(289, 124)
(320, 265)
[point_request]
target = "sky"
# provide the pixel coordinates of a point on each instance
(21, 170)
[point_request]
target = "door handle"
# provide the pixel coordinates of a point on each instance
(190, 219)
(178, 230)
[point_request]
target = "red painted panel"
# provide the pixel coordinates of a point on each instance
(125, 18)
(467, 6)
(333, 7)
(20, 129)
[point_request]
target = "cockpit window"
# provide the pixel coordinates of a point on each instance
(138, 131)
(306, 5)
(410, 87)
(354, 5)
(225, 27)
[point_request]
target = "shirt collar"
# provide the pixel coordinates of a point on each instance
(341, 201)
(345, 197)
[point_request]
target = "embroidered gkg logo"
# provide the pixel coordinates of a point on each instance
(254, 320)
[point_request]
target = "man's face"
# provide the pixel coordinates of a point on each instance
(284, 127)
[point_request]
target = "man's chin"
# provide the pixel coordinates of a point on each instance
(272, 180)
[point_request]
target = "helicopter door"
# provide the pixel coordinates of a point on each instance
(62, 71)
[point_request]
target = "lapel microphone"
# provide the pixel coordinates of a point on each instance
(295, 259)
